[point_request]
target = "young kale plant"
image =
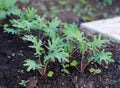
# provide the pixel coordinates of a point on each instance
(26, 22)
(23, 24)
(45, 53)
(7, 8)
(55, 52)
(86, 46)
(57, 41)
(59, 47)
(105, 3)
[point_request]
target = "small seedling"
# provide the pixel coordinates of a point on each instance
(50, 73)
(23, 83)
(55, 52)
(64, 69)
(95, 71)
(74, 63)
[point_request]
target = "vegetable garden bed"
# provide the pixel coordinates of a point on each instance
(70, 72)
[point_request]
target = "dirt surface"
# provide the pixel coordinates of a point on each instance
(13, 52)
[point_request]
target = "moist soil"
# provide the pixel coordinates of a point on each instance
(13, 52)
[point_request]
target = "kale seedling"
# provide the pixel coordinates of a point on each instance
(23, 83)
(95, 71)
(85, 46)
(57, 41)
(7, 7)
(26, 22)
(55, 52)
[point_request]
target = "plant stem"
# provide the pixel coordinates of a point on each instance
(40, 72)
(82, 64)
(77, 69)
(73, 52)
(40, 60)
(45, 67)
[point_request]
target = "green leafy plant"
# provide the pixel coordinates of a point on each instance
(29, 14)
(7, 4)
(105, 3)
(6, 8)
(23, 83)
(56, 49)
(65, 68)
(108, 2)
(74, 63)
(27, 21)
(25, 1)
(56, 42)
(95, 71)
(37, 44)
(51, 29)
(85, 46)
(32, 65)
(50, 73)
(83, 2)
(54, 10)
(55, 52)
(101, 57)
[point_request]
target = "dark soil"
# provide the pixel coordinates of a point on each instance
(13, 52)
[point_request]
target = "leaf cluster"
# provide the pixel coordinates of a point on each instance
(26, 21)
(56, 42)
(7, 7)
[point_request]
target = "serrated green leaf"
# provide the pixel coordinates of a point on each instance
(30, 13)
(12, 31)
(97, 42)
(37, 44)
(83, 46)
(71, 32)
(68, 47)
(7, 4)
(54, 23)
(52, 30)
(56, 51)
(31, 65)
(100, 57)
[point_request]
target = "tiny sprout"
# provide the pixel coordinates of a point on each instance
(64, 70)
(50, 73)
(74, 63)
(94, 71)
(23, 82)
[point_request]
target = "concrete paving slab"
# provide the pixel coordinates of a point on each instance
(109, 27)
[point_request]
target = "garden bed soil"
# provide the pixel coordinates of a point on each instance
(13, 52)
